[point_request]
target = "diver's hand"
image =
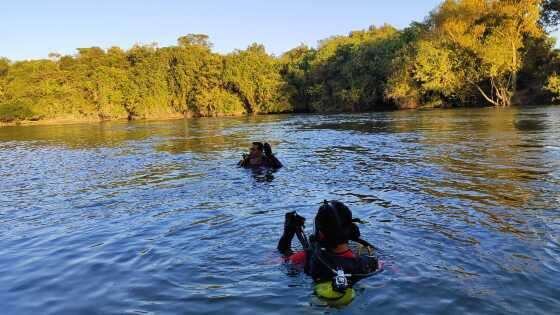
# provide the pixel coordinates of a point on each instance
(244, 160)
(293, 221)
(267, 149)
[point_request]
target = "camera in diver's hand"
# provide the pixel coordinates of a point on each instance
(294, 220)
(340, 281)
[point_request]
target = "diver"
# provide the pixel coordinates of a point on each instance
(327, 256)
(260, 155)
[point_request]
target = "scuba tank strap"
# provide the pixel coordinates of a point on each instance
(302, 238)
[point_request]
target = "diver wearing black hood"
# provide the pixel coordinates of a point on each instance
(327, 253)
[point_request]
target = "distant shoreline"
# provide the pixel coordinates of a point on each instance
(72, 121)
(170, 117)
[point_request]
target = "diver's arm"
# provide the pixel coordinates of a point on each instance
(285, 243)
(292, 222)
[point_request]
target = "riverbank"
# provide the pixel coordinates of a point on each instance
(190, 115)
(69, 121)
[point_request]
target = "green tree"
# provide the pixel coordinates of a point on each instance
(147, 92)
(254, 76)
(294, 69)
(194, 40)
(466, 53)
(349, 73)
(553, 86)
(489, 32)
(402, 89)
(4, 66)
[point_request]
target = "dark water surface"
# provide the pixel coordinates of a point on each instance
(153, 217)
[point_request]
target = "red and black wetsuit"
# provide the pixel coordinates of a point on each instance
(300, 258)
(319, 262)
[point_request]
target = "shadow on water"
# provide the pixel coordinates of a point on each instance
(108, 134)
(175, 136)
(355, 124)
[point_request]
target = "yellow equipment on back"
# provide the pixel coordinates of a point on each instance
(325, 291)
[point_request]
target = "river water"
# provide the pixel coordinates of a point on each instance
(154, 217)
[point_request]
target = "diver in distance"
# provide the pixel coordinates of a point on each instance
(260, 155)
(326, 254)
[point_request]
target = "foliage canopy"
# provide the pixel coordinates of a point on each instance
(465, 53)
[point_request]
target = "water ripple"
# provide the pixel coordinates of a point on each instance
(154, 217)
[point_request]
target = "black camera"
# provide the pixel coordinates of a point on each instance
(294, 220)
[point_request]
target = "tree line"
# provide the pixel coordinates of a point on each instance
(465, 53)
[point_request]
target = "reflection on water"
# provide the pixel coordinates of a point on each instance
(154, 217)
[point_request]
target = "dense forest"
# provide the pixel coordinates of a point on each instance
(465, 53)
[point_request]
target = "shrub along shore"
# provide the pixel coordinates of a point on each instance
(465, 53)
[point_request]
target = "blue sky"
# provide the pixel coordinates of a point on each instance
(32, 29)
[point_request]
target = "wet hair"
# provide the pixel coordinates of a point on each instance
(334, 220)
(259, 145)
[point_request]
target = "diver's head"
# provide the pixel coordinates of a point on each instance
(256, 149)
(334, 225)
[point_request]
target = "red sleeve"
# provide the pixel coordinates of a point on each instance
(298, 258)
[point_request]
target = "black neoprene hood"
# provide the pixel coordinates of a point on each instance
(334, 220)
